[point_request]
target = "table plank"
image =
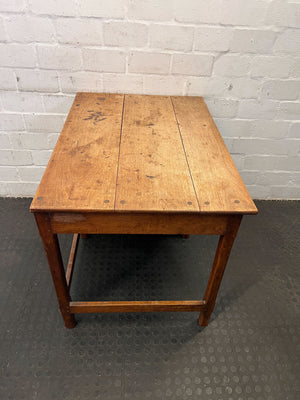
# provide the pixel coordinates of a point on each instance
(81, 174)
(217, 182)
(153, 172)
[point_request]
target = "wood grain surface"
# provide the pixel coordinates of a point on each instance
(217, 182)
(136, 153)
(81, 174)
(153, 172)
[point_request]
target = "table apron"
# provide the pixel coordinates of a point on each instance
(138, 223)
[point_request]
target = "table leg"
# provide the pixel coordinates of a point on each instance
(222, 254)
(55, 262)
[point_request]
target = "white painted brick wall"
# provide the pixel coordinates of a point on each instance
(125, 34)
(104, 60)
(242, 56)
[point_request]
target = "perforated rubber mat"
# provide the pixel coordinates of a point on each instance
(249, 351)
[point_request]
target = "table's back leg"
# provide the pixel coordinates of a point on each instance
(55, 262)
(218, 268)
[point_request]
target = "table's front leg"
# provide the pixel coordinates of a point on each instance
(55, 262)
(222, 254)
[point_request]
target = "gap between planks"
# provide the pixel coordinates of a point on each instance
(188, 165)
(121, 128)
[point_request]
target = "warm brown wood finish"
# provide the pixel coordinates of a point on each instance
(55, 262)
(139, 223)
(153, 173)
(81, 174)
(218, 184)
(218, 268)
(134, 164)
(141, 153)
(135, 306)
(71, 262)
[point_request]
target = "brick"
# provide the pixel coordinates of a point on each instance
(23, 102)
(149, 63)
(52, 139)
(252, 41)
(8, 174)
(284, 13)
(295, 70)
(270, 129)
(59, 104)
(238, 160)
(255, 109)
(15, 140)
(31, 174)
(289, 110)
(4, 141)
(121, 83)
(103, 9)
(4, 191)
(212, 39)
(20, 189)
(59, 57)
(37, 81)
(164, 85)
(276, 178)
(155, 10)
(83, 81)
(244, 88)
(234, 127)
(284, 192)
(241, 12)
(54, 7)
(293, 146)
(227, 87)
(281, 90)
(11, 122)
(200, 11)
(228, 143)
(15, 157)
(261, 162)
(7, 79)
(12, 5)
(17, 55)
(171, 37)
(44, 122)
(22, 28)
(222, 108)
(192, 64)
(294, 131)
(288, 42)
(249, 177)
(232, 65)
(41, 157)
(207, 86)
(103, 60)
(262, 146)
(125, 34)
(270, 66)
(219, 86)
(29, 141)
(259, 192)
(79, 31)
(287, 163)
(3, 36)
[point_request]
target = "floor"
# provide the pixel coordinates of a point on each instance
(248, 351)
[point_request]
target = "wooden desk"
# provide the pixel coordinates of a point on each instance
(138, 164)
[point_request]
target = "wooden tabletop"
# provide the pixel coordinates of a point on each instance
(138, 153)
